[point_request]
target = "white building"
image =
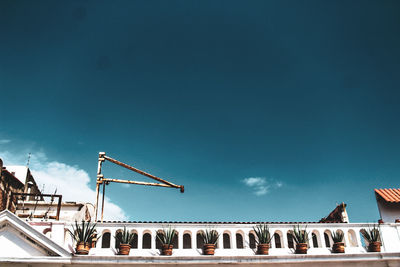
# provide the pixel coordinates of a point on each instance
(36, 235)
(388, 204)
(47, 243)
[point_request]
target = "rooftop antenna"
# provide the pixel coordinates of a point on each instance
(27, 174)
(106, 181)
(29, 159)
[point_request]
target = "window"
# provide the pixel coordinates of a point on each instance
(227, 240)
(239, 241)
(314, 240)
(146, 241)
(105, 240)
(277, 238)
(327, 242)
(118, 238)
(134, 242)
(200, 242)
(175, 241)
(290, 240)
(252, 240)
(187, 241)
(160, 234)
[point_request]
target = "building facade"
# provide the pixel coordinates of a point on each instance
(35, 233)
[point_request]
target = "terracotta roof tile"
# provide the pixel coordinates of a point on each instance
(389, 195)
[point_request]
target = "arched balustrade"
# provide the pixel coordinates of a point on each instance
(316, 239)
(146, 240)
(290, 239)
(187, 240)
(229, 239)
(278, 237)
(105, 239)
(239, 239)
(226, 240)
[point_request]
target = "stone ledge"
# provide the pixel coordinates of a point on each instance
(377, 259)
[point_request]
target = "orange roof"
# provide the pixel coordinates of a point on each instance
(389, 195)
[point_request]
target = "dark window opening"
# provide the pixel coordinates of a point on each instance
(118, 239)
(175, 241)
(134, 242)
(187, 241)
(200, 242)
(327, 242)
(277, 238)
(290, 240)
(239, 241)
(146, 241)
(105, 240)
(252, 241)
(314, 240)
(158, 242)
(227, 240)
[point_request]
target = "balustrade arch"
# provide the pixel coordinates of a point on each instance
(278, 239)
(106, 239)
(226, 236)
(239, 239)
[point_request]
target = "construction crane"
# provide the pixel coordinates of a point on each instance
(105, 181)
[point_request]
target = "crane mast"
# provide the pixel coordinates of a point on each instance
(101, 180)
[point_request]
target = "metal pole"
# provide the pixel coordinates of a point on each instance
(59, 207)
(135, 182)
(140, 172)
(102, 202)
(97, 200)
(98, 181)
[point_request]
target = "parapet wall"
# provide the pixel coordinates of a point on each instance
(236, 239)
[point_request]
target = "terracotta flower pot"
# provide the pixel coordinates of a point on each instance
(124, 249)
(338, 247)
(208, 249)
(92, 242)
(374, 247)
(301, 248)
(82, 248)
(166, 250)
(262, 249)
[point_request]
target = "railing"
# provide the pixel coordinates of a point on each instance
(239, 239)
(41, 209)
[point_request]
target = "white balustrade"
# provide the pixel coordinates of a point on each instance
(352, 239)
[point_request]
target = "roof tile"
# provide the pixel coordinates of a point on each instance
(389, 195)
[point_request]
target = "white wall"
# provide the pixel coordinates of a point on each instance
(389, 211)
(13, 244)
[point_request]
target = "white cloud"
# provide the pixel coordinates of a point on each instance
(70, 181)
(4, 141)
(261, 185)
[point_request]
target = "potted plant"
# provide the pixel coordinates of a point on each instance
(338, 245)
(263, 239)
(300, 236)
(125, 238)
(210, 238)
(166, 237)
(373, 238)
(82, 235)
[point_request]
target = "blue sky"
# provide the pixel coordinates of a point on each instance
(264, 110)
